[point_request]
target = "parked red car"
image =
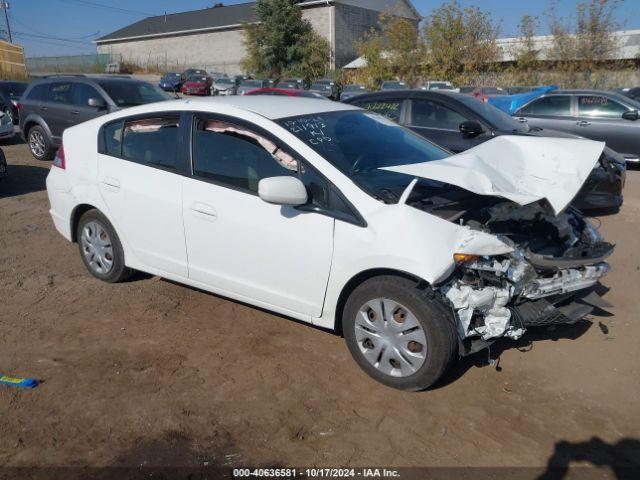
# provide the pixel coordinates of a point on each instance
(197, 85)
(287, 93)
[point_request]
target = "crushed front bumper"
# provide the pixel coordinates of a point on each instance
(502, 298)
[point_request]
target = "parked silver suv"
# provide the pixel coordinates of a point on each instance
(54, 103)
(593, 114)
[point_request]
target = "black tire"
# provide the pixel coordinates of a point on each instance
(37, 134)
(434, 317)
(118, 271)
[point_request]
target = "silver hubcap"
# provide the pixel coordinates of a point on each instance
(96, 247)
(390, 337)
(36, 143)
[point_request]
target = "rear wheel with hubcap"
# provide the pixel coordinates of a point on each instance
(399, 333)
(100, 248)
(39, 144)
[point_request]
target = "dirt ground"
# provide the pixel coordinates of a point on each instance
(153, 373)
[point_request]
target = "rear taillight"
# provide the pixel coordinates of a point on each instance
(59, 161)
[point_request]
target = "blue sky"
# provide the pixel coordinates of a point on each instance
(63, 27)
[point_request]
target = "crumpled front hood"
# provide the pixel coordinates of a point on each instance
(519, 168)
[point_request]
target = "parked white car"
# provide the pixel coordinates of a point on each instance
(338, 217)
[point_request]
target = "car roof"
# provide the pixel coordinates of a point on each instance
(579, 90)
(269, 106)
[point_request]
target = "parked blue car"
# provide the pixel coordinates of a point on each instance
(171, 82)
(511, 103)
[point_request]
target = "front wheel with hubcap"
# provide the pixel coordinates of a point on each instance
(100, 248)
(400, 333)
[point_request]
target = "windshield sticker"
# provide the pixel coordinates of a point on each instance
(309, 129)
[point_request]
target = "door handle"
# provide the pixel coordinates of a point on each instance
(111, 183)
(583, 123)
(204, 211)
(75, 112)
(44, 108)
(522, 120)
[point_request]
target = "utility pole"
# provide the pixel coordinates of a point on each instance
(5, 7)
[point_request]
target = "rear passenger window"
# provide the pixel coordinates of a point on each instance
(558, 105)
(237, 157)
(61, 93)
(389, 108)
(39, 92)
(113, 139)
(152, 141)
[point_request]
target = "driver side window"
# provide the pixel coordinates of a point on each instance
(234, 156)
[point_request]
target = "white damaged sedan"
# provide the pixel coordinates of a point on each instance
(338, 217)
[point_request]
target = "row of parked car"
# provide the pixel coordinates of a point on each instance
(450, 119)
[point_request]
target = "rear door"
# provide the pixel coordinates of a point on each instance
(139, 168)
(600, 118)
(550, 111)
(58, 110)
(440, 123)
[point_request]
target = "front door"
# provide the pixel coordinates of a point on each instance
(600, 118)
(270, 255)
(440, 124)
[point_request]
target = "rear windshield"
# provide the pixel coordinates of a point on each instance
(129, 94)
(321, 86)
(197, 78)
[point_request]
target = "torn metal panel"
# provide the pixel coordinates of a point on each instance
(521, 169)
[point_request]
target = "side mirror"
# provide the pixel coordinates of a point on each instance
(282, 191)
(630, 115)
(471, 128)
(96, 102)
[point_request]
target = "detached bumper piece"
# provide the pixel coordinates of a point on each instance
(556, 310)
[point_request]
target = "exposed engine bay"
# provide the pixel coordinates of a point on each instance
(545, 280)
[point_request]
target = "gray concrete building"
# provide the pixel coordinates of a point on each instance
(212, 38)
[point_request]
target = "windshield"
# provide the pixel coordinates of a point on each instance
(224, 81)
(493, 91)
(440, 86)
(251, 83)
(197, 78)
(393, 86)
(493, 115)
(287, 85)
(360, 143)
(353, 88)
(172, 76)
(129, 94)
(321, 86)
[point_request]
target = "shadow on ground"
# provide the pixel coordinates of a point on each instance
(23, 179)
(621, 458)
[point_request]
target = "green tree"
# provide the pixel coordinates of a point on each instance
(404, 47)
(377, 68)
(281, 41)
(460, 43)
